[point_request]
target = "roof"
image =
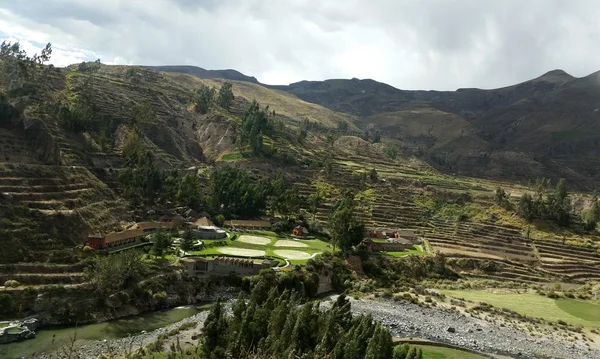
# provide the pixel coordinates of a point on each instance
(248, 223)
(204, 221)
(406, 233)
(234, 260)
(303, 229)
(153, 225)
(400, 240)
(193, 259)
(126, 234)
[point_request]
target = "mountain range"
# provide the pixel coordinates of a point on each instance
(544, 127)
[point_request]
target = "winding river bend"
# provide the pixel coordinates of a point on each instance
(49, 339)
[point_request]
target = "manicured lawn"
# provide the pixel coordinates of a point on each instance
(431, 352)
(414, 250)
(572, 311)
(261, 243)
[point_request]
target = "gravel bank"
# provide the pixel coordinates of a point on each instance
(91, 349)
(409, 320)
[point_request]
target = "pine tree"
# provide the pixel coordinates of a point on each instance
(215, 329)
(401, 351)
(412, 354)
(187, 242)
(226, 97)
(161, 243)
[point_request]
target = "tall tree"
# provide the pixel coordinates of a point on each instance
(254, 124)
(559, 205)
(226, 97)
(187, 241)
(161, 242)
(346, 231)
(204, 98)
(215, 329)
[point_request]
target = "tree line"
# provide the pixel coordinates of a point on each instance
(282, 325)
(552, 205)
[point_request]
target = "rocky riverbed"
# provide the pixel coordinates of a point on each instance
(91, 349)
(405, 320)
(409, 320)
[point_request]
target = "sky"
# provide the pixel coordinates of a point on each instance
(409, 44)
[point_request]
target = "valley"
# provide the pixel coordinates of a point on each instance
(94, 149)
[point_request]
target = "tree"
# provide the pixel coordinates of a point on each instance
(315, 200)
(111, 273)
(226, 97)
(377, 137)
(346, 231)
(187, 241)
(254, 124)
(401, 351)
(234, 192)
(373, 175)
(391, 151)
(215, 329)
(204, 98)
(189, 193)
(526, 208)
(559, 205)
(162, 242)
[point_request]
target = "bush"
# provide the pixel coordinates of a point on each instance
(219, 220)
(11, 283)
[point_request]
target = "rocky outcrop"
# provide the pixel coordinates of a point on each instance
(18, 331)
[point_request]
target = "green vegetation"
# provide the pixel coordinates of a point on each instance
(241, 248)
(416, 250)
(571, 311)
(111, 273)
(187, 241)
(433, 352)
(346, 230)
(293, 329)
(225, 98)
(161, 242)
(255, 124)
(204, 98)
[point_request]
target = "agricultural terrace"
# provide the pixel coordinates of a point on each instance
(585, 313)
(265, 244)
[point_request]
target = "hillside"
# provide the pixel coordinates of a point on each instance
(64, 148)
(545, 127)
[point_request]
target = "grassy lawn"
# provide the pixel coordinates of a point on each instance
(431, 352)
(416, 250)
(572, 311)
(250, 245)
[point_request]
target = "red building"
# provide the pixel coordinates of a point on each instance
(128, 236)
(300, 231)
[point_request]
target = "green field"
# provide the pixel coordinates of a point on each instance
(259, 244)
(431, 352)
(571, 311)
(417, 250)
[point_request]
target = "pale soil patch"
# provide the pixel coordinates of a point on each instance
(290, 254)
(290, 243)
(254, 240)
(242, 252)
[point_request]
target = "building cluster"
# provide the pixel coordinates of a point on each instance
(386, 240)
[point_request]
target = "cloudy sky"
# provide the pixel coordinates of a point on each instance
(410, 44)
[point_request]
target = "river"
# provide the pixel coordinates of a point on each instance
(48, 339)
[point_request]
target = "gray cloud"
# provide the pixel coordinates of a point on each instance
(424, 44)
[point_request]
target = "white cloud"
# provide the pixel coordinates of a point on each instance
(411, 44)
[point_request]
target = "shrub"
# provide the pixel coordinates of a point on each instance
(11, 283)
